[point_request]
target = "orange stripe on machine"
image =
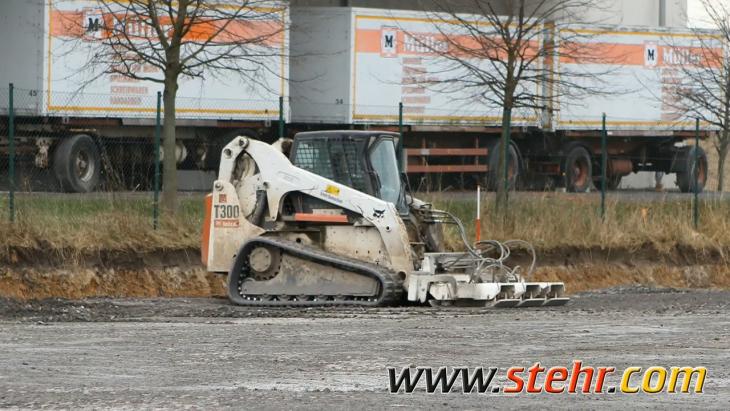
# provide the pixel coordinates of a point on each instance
(320, 218)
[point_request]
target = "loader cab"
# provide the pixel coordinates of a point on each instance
(363, 160)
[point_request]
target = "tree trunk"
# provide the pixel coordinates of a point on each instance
(723, 138)
(503, 180)
(169, 163)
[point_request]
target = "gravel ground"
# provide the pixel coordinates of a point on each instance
(204, 353)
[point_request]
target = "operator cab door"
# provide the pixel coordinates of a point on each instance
(384, 165)
(366, 163)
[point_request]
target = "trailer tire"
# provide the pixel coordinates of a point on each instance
(77, 164)
(685, 168)
(514, 166)
(578, 170)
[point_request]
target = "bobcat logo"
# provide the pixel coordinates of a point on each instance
(378, 213)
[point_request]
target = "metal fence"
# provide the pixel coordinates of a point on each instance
(67, 149)
(53, 147)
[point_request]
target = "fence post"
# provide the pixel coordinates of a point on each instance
(11, 153)
(401, 160)
(696, 205)
(281, 116)
(156, 205)
(604, 165)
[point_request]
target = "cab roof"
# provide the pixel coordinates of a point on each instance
(346, 133)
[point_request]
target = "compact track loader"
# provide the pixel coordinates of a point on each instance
(327, 219)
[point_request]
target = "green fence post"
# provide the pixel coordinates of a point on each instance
(281, 116)
(401, 162)
(11, 153)
(696, 206)
(604, 165)
(156, 205)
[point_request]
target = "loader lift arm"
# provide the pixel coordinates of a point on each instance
(280, 177)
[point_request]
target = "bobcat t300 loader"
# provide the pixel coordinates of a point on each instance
(333, 223)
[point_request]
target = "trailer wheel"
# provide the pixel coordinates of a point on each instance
(77, 164)
(513, 170)
(578, 170)
(685, 168)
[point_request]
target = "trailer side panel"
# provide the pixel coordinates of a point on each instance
(21, 48)
(75, 86)
(635, 72)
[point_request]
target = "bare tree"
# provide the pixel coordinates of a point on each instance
(703, 89)
(504, 54)
(163, 40)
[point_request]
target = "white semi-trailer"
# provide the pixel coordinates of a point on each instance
(347, 68)
(70, 112)
(357, 65)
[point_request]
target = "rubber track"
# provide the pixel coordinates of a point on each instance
(391, 289)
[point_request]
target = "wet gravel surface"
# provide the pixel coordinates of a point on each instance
(205, 353)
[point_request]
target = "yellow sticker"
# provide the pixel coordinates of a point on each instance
(333, 190)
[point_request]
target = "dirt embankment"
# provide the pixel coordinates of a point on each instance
(598, 276)
(34, 274)
(37, 274)
(595, 268)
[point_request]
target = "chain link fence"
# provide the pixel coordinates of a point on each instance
(68, 156)
(71, 154)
